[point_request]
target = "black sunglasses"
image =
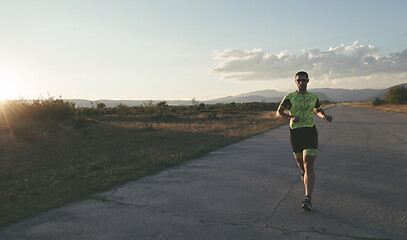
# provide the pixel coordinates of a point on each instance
(301, 80)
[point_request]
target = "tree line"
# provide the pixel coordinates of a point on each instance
(395, 95)
(59, 109)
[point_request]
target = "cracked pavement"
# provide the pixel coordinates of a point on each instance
(252, 190)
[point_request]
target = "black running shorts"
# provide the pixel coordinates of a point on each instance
(304, 138)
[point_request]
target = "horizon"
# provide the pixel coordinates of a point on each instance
(198, 100)
(201, 49)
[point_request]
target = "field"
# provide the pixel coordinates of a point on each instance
(384, 107)
(47, 162)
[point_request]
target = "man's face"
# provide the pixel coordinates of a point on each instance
(301, 81)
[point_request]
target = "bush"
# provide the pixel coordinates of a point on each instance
(162, 105)
(49, 109)
(123, 109)
(202, 106)
(159, 110)
(396, 95)
(149, 107)
(87, 112)
(378, 102)
(100, 105)
(53, 109)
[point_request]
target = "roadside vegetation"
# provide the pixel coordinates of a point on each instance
(384, 107)
(395, 95)
(395, 100)
(53, 153)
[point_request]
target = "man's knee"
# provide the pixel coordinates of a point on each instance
(309, 160)
(298, 155)
(310, 153)
(309, 157)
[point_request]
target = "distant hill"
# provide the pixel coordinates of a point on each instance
(321, 95)
(383, 92)
(265, 93)
(256, 96)
(244, 99)
(270, 95)
(331, 94)
(342, 95)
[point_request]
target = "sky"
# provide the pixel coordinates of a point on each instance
(201, 49)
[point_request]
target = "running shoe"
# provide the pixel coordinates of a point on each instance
(306, 204)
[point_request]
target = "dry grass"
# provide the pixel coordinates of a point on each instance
(44, 165)
(385, 107)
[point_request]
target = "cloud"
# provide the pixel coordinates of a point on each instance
(355, 61)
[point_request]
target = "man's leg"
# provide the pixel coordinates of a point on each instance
(299, 159)
(309, 157)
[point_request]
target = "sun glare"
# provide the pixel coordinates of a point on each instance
(10, 88)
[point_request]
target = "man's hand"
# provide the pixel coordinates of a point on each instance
(328, 118)
(295, 119)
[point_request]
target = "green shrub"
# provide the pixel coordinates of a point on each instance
(396, 95)
(88, 112)
(123, 109)
(52, 109)
(100, 105)
(202, 106)
(162, 105)
(149, 107)
(49, 109)
(378, 102)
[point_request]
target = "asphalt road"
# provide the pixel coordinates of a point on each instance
(252, 190)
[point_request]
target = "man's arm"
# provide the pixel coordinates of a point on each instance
(321, 113)
(282, 115)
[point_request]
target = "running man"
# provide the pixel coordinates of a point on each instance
(303, 133)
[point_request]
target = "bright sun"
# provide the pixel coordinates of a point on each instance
(10, 87)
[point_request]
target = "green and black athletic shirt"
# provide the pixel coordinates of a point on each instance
(302, 106)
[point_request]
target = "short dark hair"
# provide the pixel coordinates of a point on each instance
(302, 73)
